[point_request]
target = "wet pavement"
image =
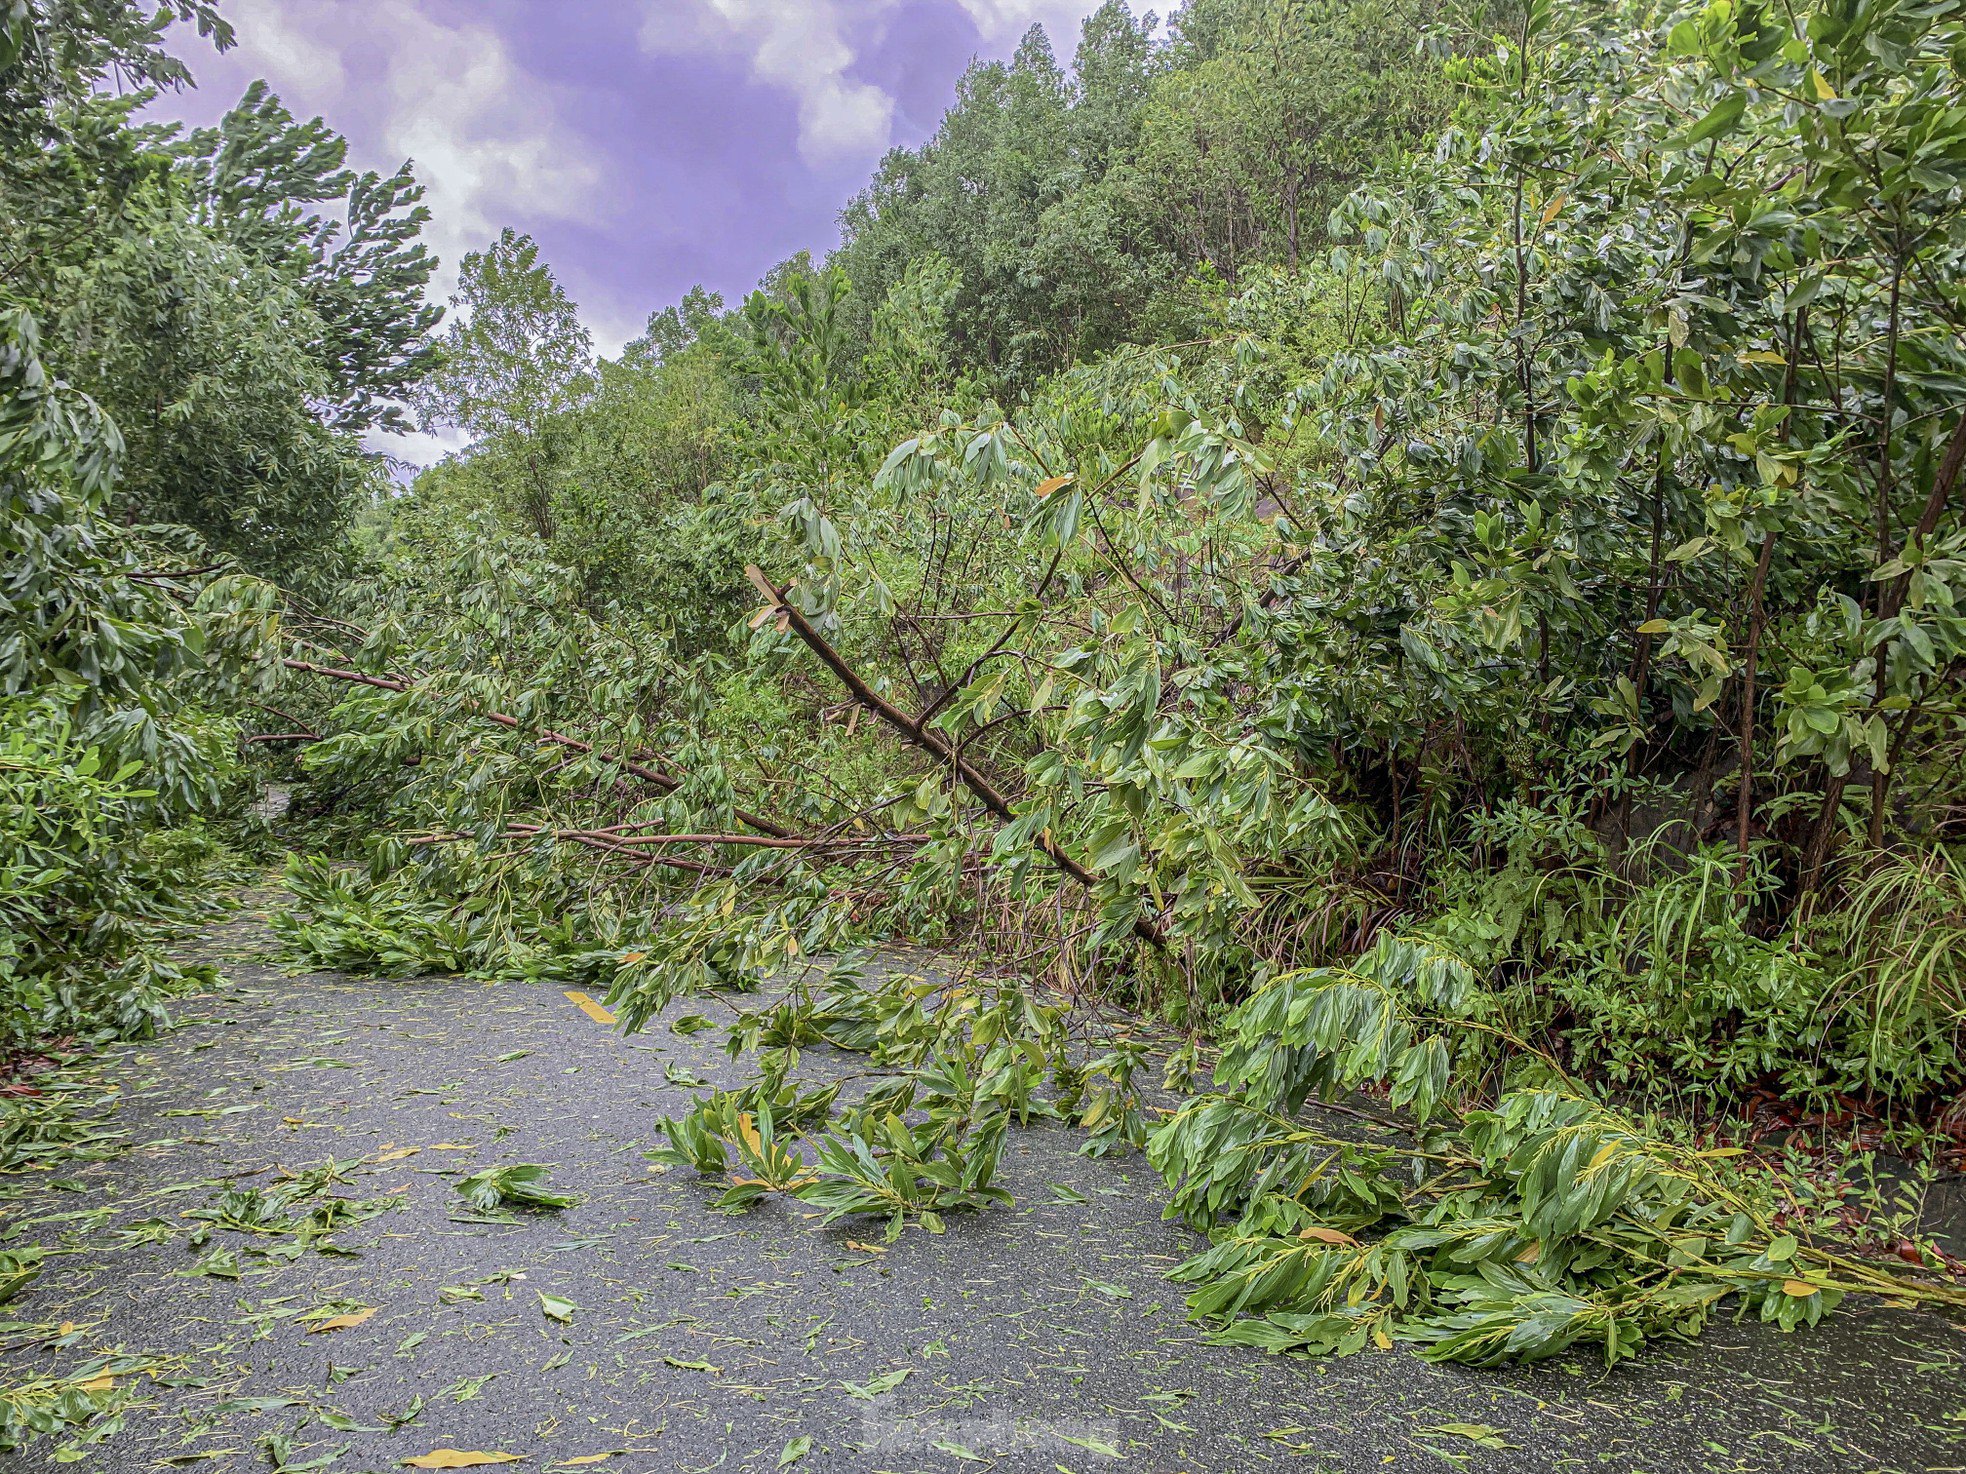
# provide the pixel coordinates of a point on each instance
(642, 1331)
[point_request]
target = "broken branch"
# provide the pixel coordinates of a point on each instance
(916, 732)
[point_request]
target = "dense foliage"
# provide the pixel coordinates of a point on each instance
(114, 744)
(236, 299)
(185, 357)
(1558, 567)
(1432, 571)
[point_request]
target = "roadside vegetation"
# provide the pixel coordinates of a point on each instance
(1311, 567)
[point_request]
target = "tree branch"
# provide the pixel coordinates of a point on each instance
(647, 774)
(917, 733)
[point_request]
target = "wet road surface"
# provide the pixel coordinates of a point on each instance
(642, 1331)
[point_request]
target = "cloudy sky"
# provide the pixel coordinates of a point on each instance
(648, 145)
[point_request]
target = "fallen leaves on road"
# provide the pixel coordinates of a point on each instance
(341, 1322)
(554, 1308)
(875, 1386)
(457, 1458)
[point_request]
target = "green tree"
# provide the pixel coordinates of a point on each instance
(55, 53)
(514, 361)
(206, 360)
(517, 353)
(359, 265)
(119, 671)
(203, 291)
(974, 194)
(1273, 109)
(671, 330)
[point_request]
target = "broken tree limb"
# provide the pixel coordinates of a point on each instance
(650, 775)
(591, 841)
(918, 733)
(773, 842)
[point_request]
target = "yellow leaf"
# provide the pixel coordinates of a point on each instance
(341, 1322)
(457, 1458)
(1325, 1235)
(453, 1146)
(1761, 355)
(589, 1007)
(1531, 1254)
(66, 1328)
(1726, 1151)
(613, 1453)
(866, 1248)
(1824, 92)
(1801, 1289)
(749, 1132)
(1381, 1339)
(1550, 210)
(99, 1384)
(627, 957)
(400, 1153)
(1050, 484)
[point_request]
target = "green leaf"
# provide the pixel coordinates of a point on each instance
(554, 1308)
(875, 1386)
(1720, 119)
(1095, 1445)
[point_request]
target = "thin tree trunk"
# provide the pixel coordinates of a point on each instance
(1879, 777)
(1893, 603)
(1744, 800)
(1823, 840)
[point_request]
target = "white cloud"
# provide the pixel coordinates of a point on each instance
(999, 21)
(485, 138)
(416, 450)
(280, 49)
(798, 46)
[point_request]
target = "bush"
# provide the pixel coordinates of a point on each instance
(86, 886)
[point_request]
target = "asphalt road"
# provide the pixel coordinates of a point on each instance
(1038, 1337)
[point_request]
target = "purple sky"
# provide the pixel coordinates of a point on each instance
(647, 146)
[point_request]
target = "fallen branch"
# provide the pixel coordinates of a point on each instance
(917, 733)
(579, 837)
(647, 774)
(772, 842)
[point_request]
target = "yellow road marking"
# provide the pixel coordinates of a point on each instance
(589, 1007)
